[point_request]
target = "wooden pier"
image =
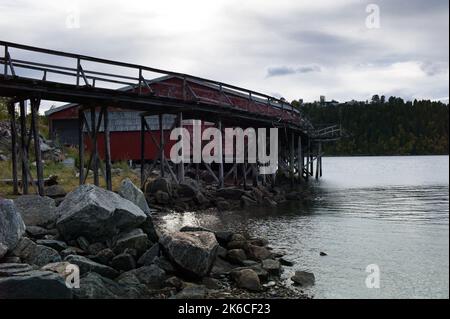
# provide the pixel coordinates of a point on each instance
(29, 81)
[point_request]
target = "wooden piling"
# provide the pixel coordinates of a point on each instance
(94, 147)
(81, 145)
(291, 158)
(299, 158)
(12, 117)
(161, 144)
(142, 151)
(24, 153)
(108, 175)
(181, 164)
(35, 102)
(221, 179)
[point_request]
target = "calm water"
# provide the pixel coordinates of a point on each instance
(388, 211)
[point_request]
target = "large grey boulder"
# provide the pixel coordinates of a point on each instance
(36, 210)
(34, 254)
(18, 281)
(86, 265)
(12, 226)
(97, 214)
(192, 252)
(129, 191)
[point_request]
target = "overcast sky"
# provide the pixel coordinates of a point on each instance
(290, 48)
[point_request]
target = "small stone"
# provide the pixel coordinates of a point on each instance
(192, 292)
(269, 284)
(60, 268)
(222, 252)
(3, 250)
(104, 256)
(247, 279)
(323, 254)
(272, 266)
(152, 276)
(71, 251)
(286, 262)
(129, 191)
(258, 253)
(163, 263)
(11, 260)
(40, 232)
(148, 257)
(86, 265)
(55, 191)
(175, 282)
(83, 243)
(303, 278)
(95, 248)
(236, 256)
(223, 205)
(123, 262)
(162, 197)
(52, 243)
(224, 237)
(211, 283)
(135, 239)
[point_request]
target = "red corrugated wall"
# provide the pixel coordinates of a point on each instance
(127, 145)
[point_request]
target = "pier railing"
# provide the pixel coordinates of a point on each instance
(87, 71)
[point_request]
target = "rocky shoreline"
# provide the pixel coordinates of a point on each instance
(121, 253)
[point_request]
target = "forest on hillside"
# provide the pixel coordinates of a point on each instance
(384, 127)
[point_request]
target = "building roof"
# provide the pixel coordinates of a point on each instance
(167, 77)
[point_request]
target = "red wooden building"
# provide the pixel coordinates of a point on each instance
(125, 125)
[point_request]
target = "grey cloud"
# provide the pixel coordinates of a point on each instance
(285, 70)
(433, 68)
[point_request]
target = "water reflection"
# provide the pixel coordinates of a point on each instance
(402, 226)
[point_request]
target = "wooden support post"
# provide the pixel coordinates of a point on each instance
(244, 168)
(12, 117)
(161, 143)
(81, 145)
(24, 153)
(320, 159)
(142, 151)
(94, 147)
(291, 158)
(181, 164)
(108, 175)
(311, 158)
(221, 179)
(35, 102)
(254, 166)
(300, 158)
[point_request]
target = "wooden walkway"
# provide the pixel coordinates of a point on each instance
(34, 74)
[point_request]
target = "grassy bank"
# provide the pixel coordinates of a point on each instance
(67, 176)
